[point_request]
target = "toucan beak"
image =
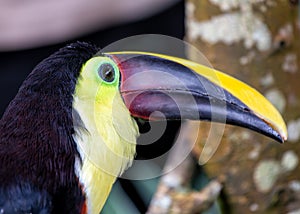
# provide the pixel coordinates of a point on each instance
(156, 87)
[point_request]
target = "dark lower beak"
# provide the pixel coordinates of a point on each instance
(159, 87)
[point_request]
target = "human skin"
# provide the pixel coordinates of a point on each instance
(35, 23)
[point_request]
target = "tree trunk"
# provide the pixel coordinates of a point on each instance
(258, 43)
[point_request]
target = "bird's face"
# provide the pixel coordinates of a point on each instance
(155, 86)
(99, 80)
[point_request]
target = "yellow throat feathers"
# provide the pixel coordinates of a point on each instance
(106, 138)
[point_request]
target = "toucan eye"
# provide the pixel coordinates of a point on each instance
(106, 72)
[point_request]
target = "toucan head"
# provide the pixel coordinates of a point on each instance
(156, 87)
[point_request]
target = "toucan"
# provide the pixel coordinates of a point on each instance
(71, 130)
